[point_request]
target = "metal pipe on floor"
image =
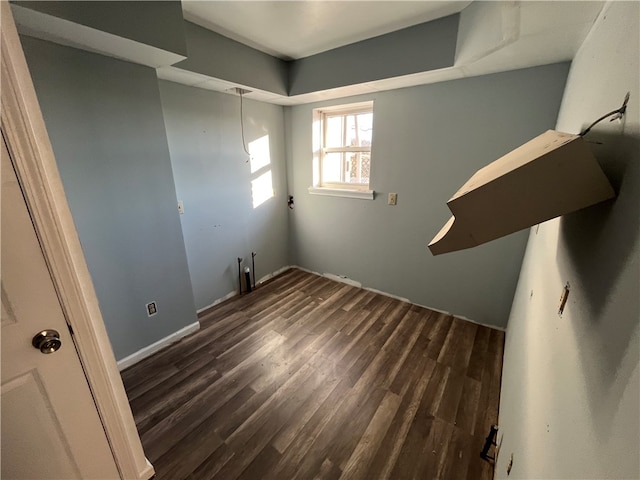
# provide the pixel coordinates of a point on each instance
(247, 279)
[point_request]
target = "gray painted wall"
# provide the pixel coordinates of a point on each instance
(155, 23)
(213, 179)
(570, 401)
(104, 119)
(420, 48)
(217, 56)
(427, 142)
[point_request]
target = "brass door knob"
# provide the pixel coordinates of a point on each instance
(47, 341)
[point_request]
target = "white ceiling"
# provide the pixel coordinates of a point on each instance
(297, 29)
(492, 36)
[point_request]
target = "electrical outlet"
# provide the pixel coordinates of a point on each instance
(152, 309)
(180, 207)
(393, 199)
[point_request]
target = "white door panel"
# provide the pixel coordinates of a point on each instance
(50, 426)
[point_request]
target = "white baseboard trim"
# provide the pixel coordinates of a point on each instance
(235, 292)
(355, 283)
(343, 279)
(159, 345)
(306, 270)
(438, 310)
(269, 276)
(218, 301)
(462, 317)
(390, 295)
(334, 277)
(495, 327)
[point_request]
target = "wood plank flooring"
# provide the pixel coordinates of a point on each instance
(308, 378)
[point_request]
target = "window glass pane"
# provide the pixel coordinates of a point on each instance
(347, 167)
(335, 131)
(364, 122)
(358, 169)
(351, 139)
(349, 130)
(365, 167)
(332, 168)
(353, 173)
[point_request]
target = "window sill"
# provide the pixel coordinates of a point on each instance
(342, 192)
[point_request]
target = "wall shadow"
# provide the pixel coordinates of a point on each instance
(598, 240)
(598, 244)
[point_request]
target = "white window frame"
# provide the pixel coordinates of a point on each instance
(319, 187)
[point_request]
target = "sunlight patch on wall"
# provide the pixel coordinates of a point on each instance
(259, 153)
(262, 189)
(262, 181)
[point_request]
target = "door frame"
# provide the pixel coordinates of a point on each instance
(37, 171)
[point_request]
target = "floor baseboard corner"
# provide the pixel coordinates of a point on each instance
(144, 352)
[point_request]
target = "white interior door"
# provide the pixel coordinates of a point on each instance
(50, 425)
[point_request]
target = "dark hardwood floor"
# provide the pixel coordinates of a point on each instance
(307, 378)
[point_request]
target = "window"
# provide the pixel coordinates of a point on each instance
(342, 150)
